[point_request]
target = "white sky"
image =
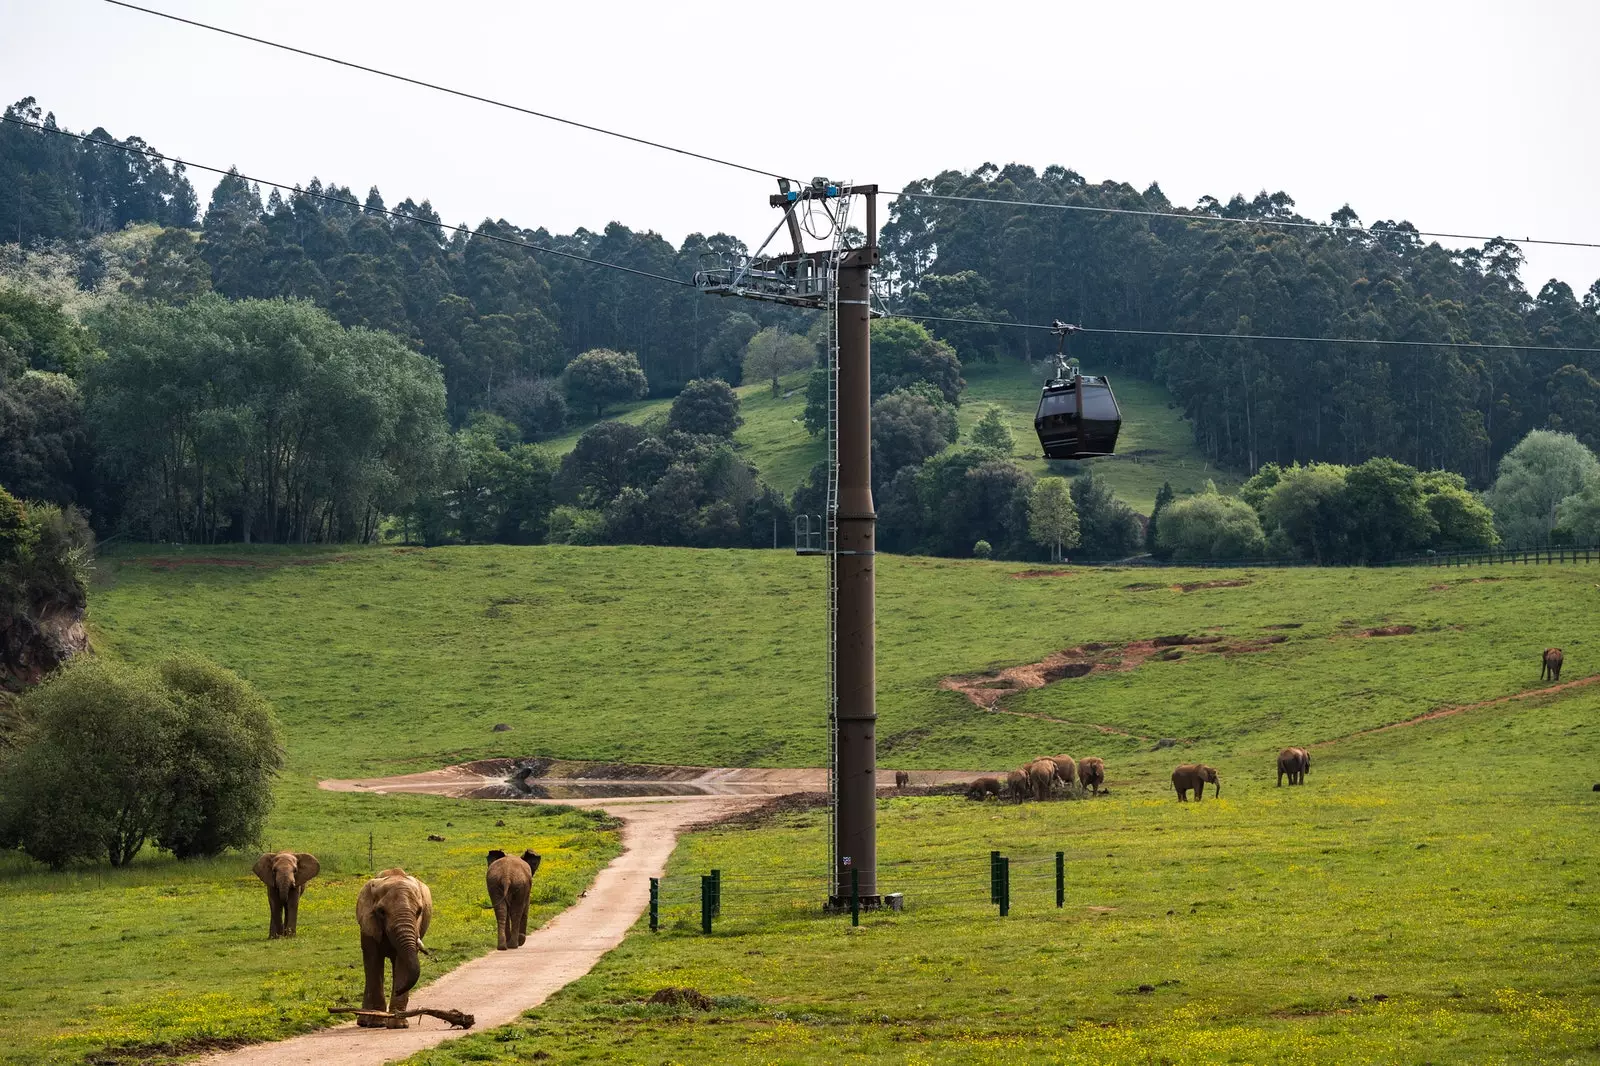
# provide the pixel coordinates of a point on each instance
(1464, 116)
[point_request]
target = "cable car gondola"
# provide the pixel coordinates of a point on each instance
(1078, 416)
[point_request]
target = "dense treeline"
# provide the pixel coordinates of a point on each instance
(1458, 408)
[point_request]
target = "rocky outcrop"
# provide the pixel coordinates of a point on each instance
(32, 645)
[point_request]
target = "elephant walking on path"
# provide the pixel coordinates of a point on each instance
(1194, 776)
(510, 881)
(393, 910)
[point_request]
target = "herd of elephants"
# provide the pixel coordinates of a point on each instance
(1042, 778)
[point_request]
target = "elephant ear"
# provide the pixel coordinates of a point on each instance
(533, 859)
(306, 867)
(496, 854)
(263, 867)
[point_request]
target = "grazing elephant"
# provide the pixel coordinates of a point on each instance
(984, 787)
(1066, 769)
(285, 874)
(1017, 785)
(393, 910)
(901, 779)
(1551, 670)
(1194, 775)
(1092, 773)
(1041, 775)
(510, 882)
(1294, 762)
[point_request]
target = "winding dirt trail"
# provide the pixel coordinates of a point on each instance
(498, 987)
(1454, 709)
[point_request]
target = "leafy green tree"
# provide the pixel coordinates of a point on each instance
(576, 525)
(538, 406)
(1107, 527)
(225, 756)
(706, 405)
(908, 426)
(904, 353)
(1052, 519)
(1164, 496)
(1210, 526)
(601, 377)
(982, 549)
(45, 452)
(1305, 507)
(1533, 479)
(773, 353)
(599, 465)
(1465, 521)
(724, 353)
(992, 434)
(816, 413)
(1384, 511)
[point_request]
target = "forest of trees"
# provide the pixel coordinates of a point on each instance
(307, 366)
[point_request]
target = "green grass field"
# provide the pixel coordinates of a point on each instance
(1284, 903)
(1155, 445)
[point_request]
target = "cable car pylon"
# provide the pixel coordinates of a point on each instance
(838, 282)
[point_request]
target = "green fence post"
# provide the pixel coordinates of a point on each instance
(1005, 886)
(705, 903)
(994, 877)
(855, 896)
(1061, 879)
(655, 904)
(716, 893)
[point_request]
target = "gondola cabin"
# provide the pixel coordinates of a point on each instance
(1078, 418)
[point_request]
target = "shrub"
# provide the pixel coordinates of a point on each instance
(982, 550)
(1210, 526)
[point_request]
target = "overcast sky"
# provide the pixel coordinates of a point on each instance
(1474, 117)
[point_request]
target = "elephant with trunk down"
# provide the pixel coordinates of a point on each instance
(394, 910)
(1294, 762)
(510, 883)
(285, 874)
(1194, 775)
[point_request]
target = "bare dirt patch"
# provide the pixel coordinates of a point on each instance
(117, 1056)
(1390, 631)
(1195, 586)
(1042, 573)
(690, 998)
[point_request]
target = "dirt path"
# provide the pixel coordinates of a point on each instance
(1446, 712)
(498, 987)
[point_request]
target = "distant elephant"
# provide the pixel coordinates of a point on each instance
(285, 874)
(393, 910)
(1092, 773)
(1551, 670)
(1194, 775)
(1066, 769)
(1017, 785)
(984, 787)
(1041, 775)
(901, 779)
(510, 882)
(1294, 762)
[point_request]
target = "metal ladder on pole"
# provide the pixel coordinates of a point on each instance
(831, 532)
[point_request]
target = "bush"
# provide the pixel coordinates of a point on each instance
(706, 405)
(1210, 526)
(111, 756)
(982, 550)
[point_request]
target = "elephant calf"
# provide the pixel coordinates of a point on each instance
(1017, 786)
(1092, 773)
(285, 874)
(393, 910)
(510, 883)
(1294, 762)
(984, 787)
(1194, 775)
(901, 779)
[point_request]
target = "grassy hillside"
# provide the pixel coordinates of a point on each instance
(1156, 444)
(1252, 918)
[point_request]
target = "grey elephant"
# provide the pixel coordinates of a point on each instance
(393, 910)
(984, 787)
(510, 883)
(1295, 762)
(285, 874)
(1194, 775)
(1092, 773)
(1066, 769)
(1017, 785)
(1041, 776)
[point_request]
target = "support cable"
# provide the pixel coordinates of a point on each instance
(297, 191)
(444, 89)
(1258, 336)
(1194, 217)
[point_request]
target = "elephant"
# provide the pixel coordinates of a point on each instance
(1041, 775)
(901, 779)
(1551, 670)
(1194, 775)
(393, 910)
(984, 787)
(285, 875)
(1066, 769)
(1294, 762)
(1092, 773)
(510, 882)
(1017, 785)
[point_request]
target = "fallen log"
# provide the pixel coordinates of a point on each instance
(457, 1019)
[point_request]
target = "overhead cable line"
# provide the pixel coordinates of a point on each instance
(1194, 217)
(297, 191)
(446, 89)
(1256, 336)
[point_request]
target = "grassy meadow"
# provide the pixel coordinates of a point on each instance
(1447, 866)
(1156, 443)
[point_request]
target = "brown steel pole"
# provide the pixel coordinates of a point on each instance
(855, 674)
